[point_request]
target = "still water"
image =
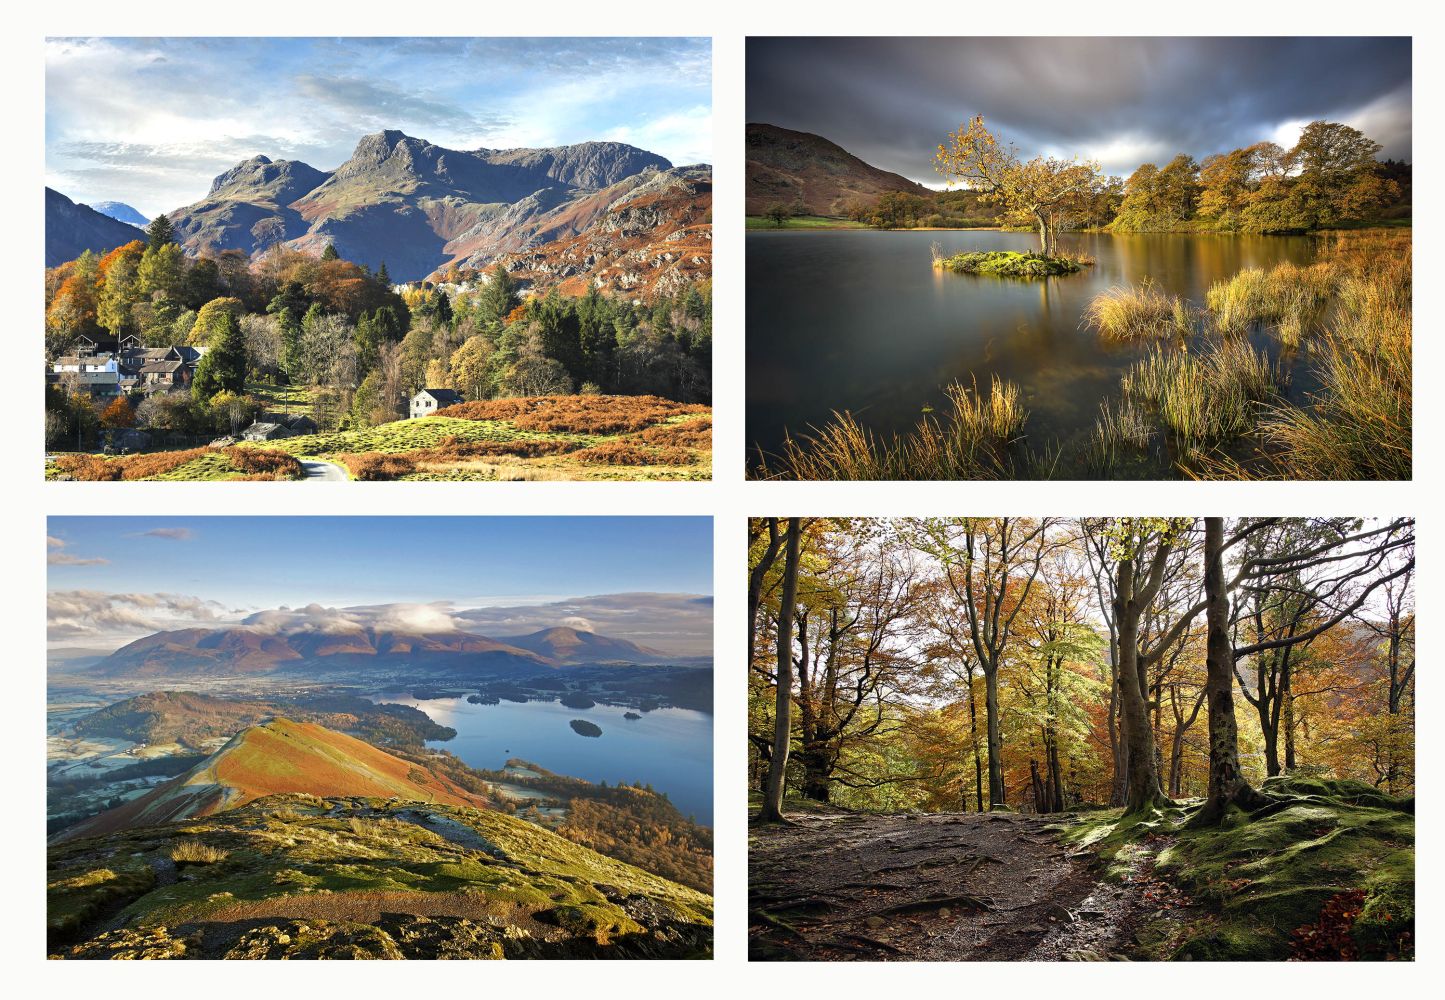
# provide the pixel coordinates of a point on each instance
(669, 748)
(861, 321)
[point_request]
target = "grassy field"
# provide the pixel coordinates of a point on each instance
(805, 222)
(535, 438)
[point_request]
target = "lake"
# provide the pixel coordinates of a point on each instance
(668, 748)
(860, 320)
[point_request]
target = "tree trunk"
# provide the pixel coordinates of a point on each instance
(995, 739)
(772, 810)
(1040, 794)
(1286, 694)
(1142, 791)
(1226, 780)
(973, 741)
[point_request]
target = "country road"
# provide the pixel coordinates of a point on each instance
(325, 472)
(945, 887)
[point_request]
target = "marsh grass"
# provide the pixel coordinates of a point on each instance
(1139, 312)
(973, 441)
(1359, 425)
(1290, 301)
(1201, 398)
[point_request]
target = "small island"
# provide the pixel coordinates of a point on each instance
(631, 716)
(1012, 264)
(584, 728)
(580, 701)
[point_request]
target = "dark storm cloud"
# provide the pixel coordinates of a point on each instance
(1120, 100)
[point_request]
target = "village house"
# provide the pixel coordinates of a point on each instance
(267, 431)
(106, 369)
(428, 401)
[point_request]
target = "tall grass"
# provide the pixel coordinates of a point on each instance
(1291, 301)
(1359, 425)
(192, 851)
(1200, 398)
(973, 441)
(1139, 312)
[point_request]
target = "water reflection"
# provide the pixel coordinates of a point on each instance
(861, 321)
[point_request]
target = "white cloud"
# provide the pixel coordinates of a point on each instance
(57, 556)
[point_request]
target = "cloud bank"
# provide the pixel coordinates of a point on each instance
(1123, 101)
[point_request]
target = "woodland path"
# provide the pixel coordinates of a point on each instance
(937, 887)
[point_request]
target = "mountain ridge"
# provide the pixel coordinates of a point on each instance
(404, 201)
(278, 757)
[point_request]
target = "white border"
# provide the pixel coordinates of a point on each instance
(26, 500)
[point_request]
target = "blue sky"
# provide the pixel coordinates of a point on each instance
(151, 121)
(114, 578)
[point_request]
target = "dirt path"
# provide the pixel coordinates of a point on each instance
(949, 887)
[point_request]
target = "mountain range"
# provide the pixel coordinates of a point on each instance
(800, 169)
(594, 214)
(253, 649)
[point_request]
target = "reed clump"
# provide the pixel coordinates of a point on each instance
(975, 439)
(1139, 312)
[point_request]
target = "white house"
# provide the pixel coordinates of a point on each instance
(428, 401)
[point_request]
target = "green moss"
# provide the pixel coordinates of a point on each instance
(78, 895)
(1010, 264)
(1266, 875)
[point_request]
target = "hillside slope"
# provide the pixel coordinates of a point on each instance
(647, 235)
(799, 168)
(71, 229)
(296, 876)
(273, 758)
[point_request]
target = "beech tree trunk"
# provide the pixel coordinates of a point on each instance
(772, 809)
(1226, 780)
(1142, 791)
(995, 740)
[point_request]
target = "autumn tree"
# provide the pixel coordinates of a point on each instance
(1045, 189)
(990, 565)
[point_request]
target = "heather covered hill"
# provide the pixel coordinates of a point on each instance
(276, 757)
(71, 229)
(801, 169)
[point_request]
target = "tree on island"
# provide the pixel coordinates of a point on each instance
(1044, 190)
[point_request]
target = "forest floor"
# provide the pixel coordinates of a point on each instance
(836, 885)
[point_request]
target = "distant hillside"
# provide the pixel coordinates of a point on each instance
(72, 229)
(414, 205)
(192, 719)
(798, 168)
(571, 646)
(277, 757)
(120, 212)
(244, 649)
